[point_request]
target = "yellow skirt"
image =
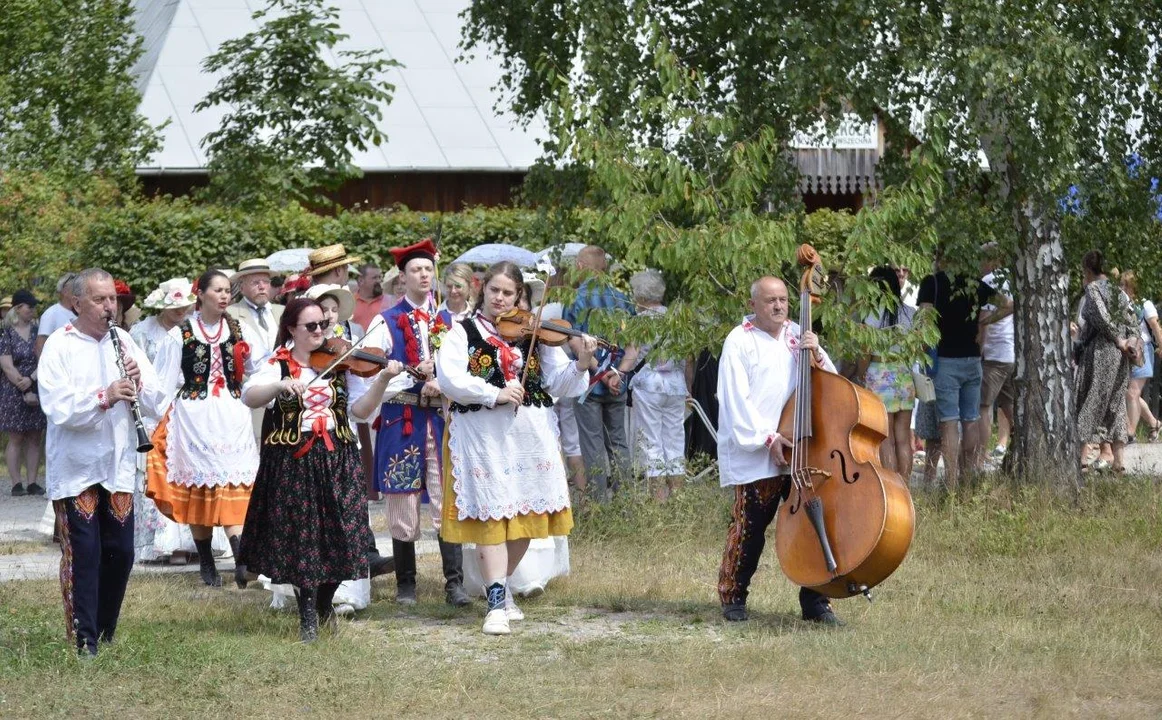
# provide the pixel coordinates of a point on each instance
(495, 532)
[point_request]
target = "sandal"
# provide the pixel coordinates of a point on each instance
(1154, 432)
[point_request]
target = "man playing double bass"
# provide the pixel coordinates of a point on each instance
(756, 377)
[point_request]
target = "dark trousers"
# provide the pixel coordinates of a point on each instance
(755, 506)
(96, 530)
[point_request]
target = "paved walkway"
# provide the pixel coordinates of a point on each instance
(22, 520)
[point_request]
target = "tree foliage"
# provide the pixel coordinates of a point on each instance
(992, 112)
(293, 116)
(68, 104)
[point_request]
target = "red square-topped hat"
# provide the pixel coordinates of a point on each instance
(425, 249)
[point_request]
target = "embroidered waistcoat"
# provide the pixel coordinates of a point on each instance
(401, 441)
(484, 363)
(285, 418)
(197, 356)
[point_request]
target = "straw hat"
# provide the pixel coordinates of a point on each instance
(329, 258)
(340, 293)
(250, 267)
(5, 304)
(173, 293)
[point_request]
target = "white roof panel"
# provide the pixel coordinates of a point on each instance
(441, 117)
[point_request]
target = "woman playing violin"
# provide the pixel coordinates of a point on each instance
(307, 521)
(505, 481)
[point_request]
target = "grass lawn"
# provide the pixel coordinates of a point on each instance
(1010, 604)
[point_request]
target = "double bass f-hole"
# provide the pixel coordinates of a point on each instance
(843, 468)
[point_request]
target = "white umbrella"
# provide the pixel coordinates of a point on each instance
(492, 253)
(289, 261)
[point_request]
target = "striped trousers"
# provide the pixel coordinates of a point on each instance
(756, 505)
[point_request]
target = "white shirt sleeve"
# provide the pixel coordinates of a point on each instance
(1148, 310)
(457, 384)
(737, 415)
(168, 363)
(269, 373)
(151, 397)
(559, 375)
(67, 401)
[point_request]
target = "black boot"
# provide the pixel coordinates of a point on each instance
(452, 556)
(209, 571)
(326, 606)
(377, 564)
(308, 614)
(240, 575)
(405, 571)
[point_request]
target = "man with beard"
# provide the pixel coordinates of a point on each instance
(756, 378)
(411, 429)
(369, 297)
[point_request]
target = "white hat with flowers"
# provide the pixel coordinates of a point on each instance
(173, 293)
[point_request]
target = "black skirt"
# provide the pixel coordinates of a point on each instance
(307, 520)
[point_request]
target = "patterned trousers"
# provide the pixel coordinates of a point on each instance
(403, 509)
(96, 532)
(755, 506)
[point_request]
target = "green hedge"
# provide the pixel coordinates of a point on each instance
(147, 242)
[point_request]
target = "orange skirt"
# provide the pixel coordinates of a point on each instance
(210, 506)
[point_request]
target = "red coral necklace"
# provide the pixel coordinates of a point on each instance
(206, 334)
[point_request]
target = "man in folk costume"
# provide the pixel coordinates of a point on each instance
(411, 429)
(756, 378)
(92, 463)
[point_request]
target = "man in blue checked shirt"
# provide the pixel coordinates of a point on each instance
(601, 417)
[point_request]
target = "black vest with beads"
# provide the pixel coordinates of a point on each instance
(484, 363)
(196, 357)
(285, 418)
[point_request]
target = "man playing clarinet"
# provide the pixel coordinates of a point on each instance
(92, 455)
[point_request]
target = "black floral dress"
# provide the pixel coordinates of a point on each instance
(17, 416)
(307, 520)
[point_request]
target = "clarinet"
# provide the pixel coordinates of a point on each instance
(143, 442)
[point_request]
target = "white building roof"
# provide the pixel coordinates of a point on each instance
(440, 118)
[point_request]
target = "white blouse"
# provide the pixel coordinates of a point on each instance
(756, 377)
(87, 445)
(318, 398)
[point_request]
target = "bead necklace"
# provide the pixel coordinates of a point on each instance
(206, 334)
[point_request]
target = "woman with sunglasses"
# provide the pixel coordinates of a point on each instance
(307, 522)
(202, 466)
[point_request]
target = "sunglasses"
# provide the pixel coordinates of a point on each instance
(314, 326)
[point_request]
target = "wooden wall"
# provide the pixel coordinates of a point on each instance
(426, 191)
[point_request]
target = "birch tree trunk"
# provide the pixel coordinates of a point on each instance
(1044, 441)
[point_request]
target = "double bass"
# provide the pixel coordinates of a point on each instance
(848, 520)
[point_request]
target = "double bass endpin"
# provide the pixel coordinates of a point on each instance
(864, 589)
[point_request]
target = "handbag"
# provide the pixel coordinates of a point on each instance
(1136, 350)
(925, 388)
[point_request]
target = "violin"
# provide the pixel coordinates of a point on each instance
(848, 521)
(338, 355)
(517, 324)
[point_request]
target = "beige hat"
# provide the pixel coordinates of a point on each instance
(173, 293)
(5, 304)
(340, 293)
(329, 258)
(251, 267)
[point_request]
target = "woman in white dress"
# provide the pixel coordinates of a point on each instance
(156, 537)
(204, 460)
(507, 479)
(659, 400)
